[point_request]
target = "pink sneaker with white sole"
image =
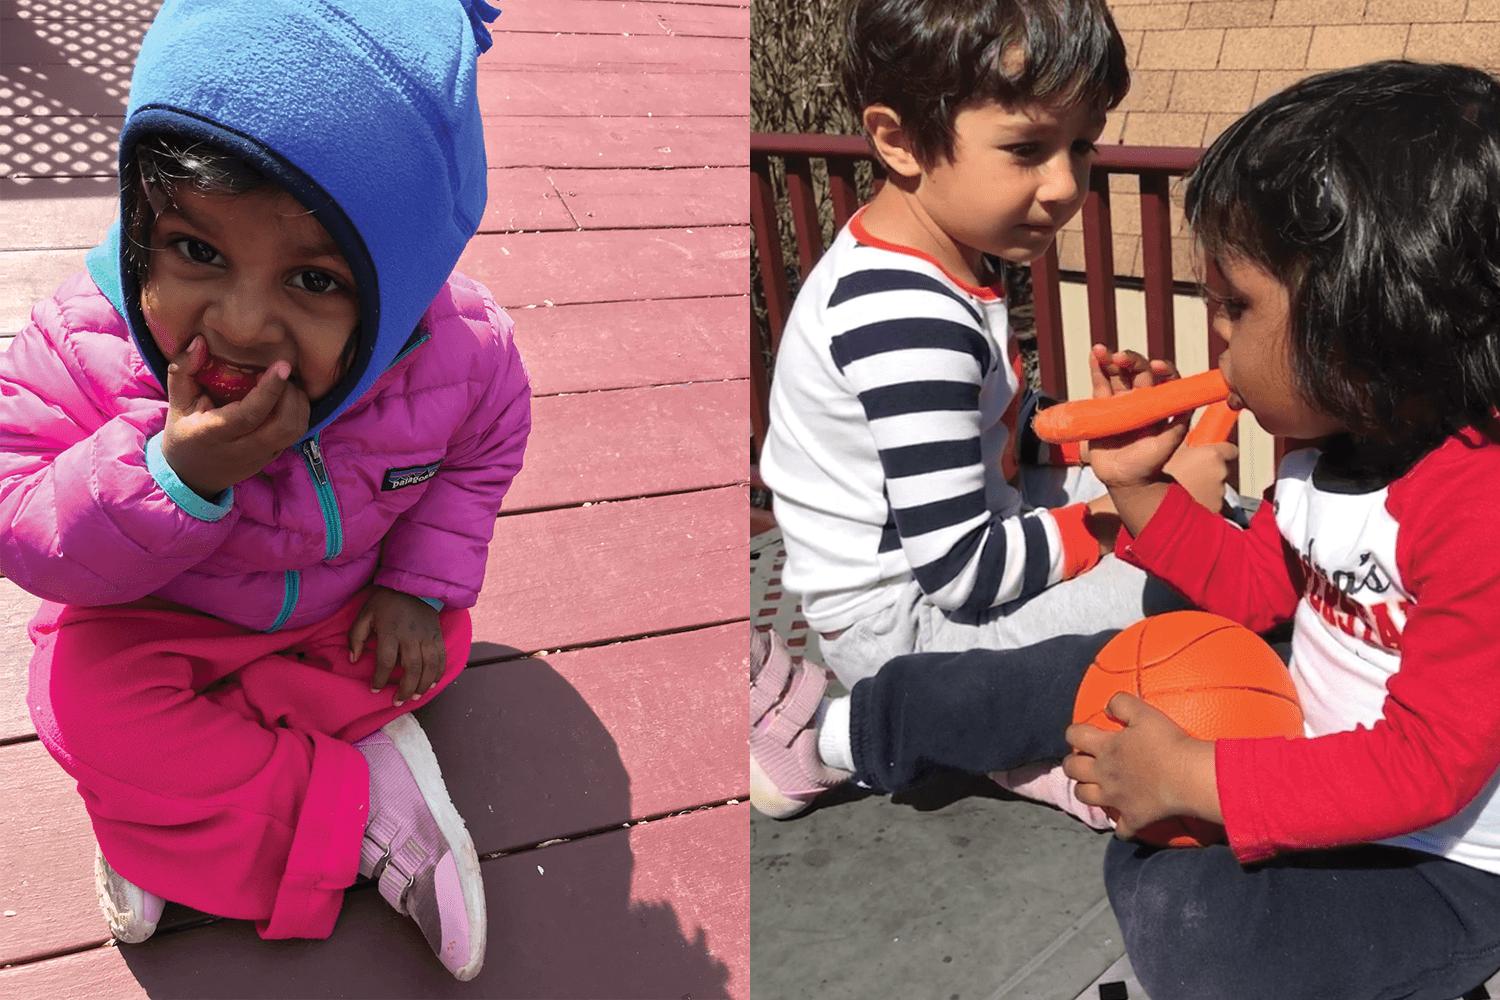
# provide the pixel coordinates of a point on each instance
(417, 847)
(786, 773)
(131, 911)
(1044, 781)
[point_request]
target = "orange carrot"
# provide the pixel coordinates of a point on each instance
(1214, 426)
(1088, 419)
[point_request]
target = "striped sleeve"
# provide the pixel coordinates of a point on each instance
(917, 361)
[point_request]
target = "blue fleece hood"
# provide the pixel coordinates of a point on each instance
(364, 110)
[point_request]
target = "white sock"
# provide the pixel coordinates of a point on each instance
(833, 733)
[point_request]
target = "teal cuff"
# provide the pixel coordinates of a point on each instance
(431, 602)
(180, 492)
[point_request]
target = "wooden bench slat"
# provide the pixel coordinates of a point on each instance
(630, 442)
(1099, 255)
(1156, 265)
(804, 207)
(50, 213)
(537, 269)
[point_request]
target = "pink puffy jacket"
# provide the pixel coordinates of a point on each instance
(401, 489)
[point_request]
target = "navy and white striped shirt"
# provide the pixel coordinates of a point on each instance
(886, 437)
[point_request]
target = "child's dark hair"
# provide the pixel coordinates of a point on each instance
(928, 59)
(1373, 195)
(165, 164)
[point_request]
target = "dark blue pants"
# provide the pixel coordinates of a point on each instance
(1356, 923)
(978, 711)
(1359, 923)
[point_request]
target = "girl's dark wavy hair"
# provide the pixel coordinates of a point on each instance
(1373, 195)
(928, 59)
(168, 163)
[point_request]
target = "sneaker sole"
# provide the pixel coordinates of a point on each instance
(125, 925)
(767, 799)
(412, 743)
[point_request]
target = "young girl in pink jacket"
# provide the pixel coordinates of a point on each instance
(251, 462)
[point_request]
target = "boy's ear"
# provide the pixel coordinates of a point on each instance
(883, 126)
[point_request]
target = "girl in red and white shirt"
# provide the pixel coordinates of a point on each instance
(1355, 218)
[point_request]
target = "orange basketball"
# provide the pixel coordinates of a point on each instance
(1214, 678)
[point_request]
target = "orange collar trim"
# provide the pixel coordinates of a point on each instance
(992, 293)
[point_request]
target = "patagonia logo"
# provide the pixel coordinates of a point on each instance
(397, 478)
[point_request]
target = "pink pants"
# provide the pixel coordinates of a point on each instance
(216, 762)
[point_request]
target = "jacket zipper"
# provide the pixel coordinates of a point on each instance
(333, 525)
(291, 588)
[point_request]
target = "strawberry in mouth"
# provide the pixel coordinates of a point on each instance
(226, 383)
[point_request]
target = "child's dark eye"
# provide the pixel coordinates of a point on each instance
(1084, 147)
(317, 282)
(196, 250)
(1026, 150)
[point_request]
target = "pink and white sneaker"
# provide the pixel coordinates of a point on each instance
(786, 773)
(417, 847)
(1044, 781)
(131, 911)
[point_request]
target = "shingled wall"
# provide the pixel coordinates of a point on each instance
(1198, 66)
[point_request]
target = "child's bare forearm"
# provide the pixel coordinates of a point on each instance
(1137, 504)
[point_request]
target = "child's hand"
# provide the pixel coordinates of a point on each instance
(1203, 470)
(407, 634)
(1146, 772)
(212, 448)
(1138, 457)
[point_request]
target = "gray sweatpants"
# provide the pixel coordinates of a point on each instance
(1112, 595)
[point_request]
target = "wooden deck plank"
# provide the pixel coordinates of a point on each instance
(587, 575)
(633, 442)
(633, 568)
(58, 145)
(47, 861)
(571, 94)
(607, 17)
(96, 974)
(16, 609)
(561, 745)
(62, 89)
(536, 269)
(52, 213)
(30, 275)
(110, 41)
(70, 10)
(531, 749)
(579, 348)
(614, 53)
(607, 143)
(523, 198)
(632, 199)
(656, 911)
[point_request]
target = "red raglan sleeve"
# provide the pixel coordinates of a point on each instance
(1438, 743)
(1246, 575)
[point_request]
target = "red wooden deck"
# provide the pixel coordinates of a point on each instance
(594, 743)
